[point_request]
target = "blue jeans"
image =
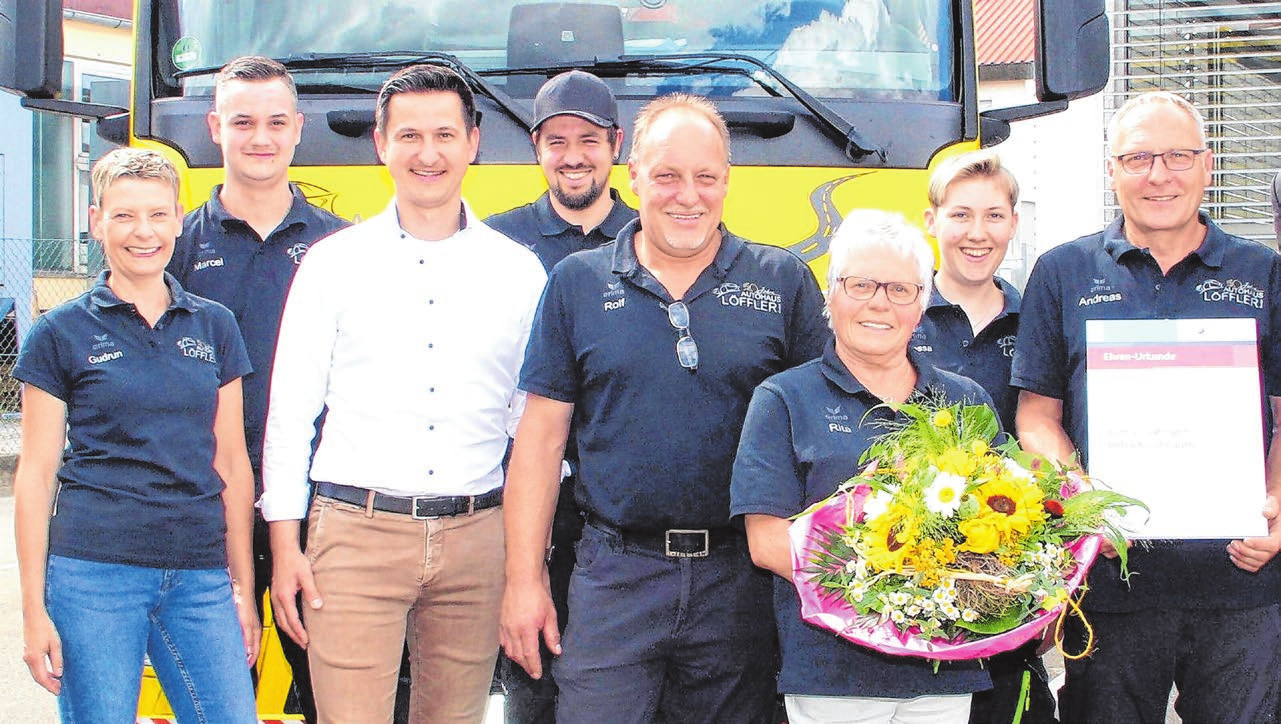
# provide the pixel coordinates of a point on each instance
(109, 615)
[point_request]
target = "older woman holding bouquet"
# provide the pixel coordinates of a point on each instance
(805, 432)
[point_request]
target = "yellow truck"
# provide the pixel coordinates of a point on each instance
(831, 104)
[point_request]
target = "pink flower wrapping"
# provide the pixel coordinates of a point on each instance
(830, 610)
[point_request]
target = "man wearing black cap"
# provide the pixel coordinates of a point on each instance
(576, 140)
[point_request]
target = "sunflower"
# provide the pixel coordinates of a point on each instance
(890, 539)
(1012, 505)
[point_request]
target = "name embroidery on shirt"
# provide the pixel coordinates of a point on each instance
(297, 252)
(1099, 299)
(1006, 344)
(615, 296)
(836, 420)
(96, 359)
(1233, 290)
(206, 264)
(197, 349)
(750, 295)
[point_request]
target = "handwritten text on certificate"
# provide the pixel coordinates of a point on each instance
(1175, 420)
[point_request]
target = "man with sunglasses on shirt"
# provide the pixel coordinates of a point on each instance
(651, 347)
(1198, 615)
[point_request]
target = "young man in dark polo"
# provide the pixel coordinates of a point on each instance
(576, 140)
(1202, 616)
(652, 347)
(241, 249)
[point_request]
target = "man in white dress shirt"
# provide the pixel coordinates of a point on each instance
(410, 328)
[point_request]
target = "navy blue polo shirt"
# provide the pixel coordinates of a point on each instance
(1103, 276)
(946, 340)
(656, 441)
(222, 258)
(137, 479)
(540, 229)
(805, 431)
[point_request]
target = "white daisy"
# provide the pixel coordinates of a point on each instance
(944, 494)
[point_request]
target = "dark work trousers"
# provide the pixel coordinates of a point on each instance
(1020, 690)
(659, 639)
(533, 701)
(1225, 663)
(304, 702)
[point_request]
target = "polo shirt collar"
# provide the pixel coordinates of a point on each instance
(837, 373)
(1008, 292)
(102, 296)
(298, 213)
(1210, 252)
(550, 223)
(626, 264)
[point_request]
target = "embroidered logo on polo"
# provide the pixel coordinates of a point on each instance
(918, 341)
(297, 252)
(837, 421)
(1233, 290)
(197, 349)
(1006, 344)
(100, 346)
(750, 295)
(615, 296)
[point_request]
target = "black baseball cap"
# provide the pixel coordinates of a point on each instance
(576, 93)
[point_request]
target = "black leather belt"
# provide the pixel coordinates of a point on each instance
(674, 542)
(420, 507)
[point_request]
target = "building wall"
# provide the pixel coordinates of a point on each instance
(1059, 162)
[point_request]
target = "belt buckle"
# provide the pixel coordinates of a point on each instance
(667, 543)
(418, 500)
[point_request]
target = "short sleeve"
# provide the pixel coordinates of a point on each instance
(767, 478)
(808, 329)
(231, 347)
(1040, 350)
(550, 368)
(42, 362)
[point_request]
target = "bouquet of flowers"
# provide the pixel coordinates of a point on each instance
(946, 547)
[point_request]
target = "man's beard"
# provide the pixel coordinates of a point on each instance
(578, 202)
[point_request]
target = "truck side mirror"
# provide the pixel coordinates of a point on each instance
(31, 47)
(1072, 55)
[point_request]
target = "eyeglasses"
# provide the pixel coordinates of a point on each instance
(686, 347)
(863, 289)
(1178, 159)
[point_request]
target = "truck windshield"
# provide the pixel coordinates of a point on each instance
(831, 48)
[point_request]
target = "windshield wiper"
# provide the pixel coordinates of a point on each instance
(855, 145)
(396, 59)
(626, 65)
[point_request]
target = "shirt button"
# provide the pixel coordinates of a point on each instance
(965, 344)
(1158, 286)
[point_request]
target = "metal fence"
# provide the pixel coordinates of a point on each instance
(35, 275)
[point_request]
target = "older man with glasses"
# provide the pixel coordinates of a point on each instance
(1201, 616)
(652, 346)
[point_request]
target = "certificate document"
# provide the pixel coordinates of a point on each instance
(1174, 418)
